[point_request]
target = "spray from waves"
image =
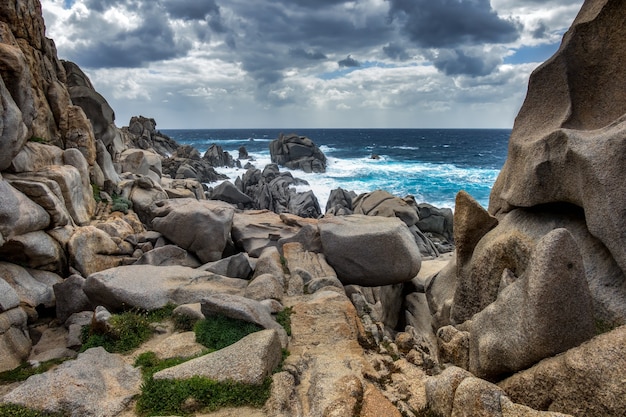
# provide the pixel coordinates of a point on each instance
(436, 184)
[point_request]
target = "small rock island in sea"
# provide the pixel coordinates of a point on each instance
(129, 288)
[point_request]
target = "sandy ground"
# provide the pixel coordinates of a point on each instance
(431, 266)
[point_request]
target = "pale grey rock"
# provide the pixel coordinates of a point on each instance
(142, 162)
(168, 255)
(78, 200)
(587, 380)
(8, 297)
(178, 345)
(248, 361)
(201, 227)
(235, 266)
(105, 162)
(150, 287)
(18, 214)
(269, 262)
(241, 308)
(545, 312)
(31, 291)
(92, 250)
(382, 203)
(47, 194)
(96, 384)
(35, 250)
(14, 133)
(255, 230)
(263, 287)
(70, 297)
(369, 251)
(382, 304)
(15, 344)
(36, 156)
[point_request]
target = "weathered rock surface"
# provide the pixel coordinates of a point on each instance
(150, 287)
(584, 381)
(255, 230)
(567, 140)
(145, 136)
(297, 152)
(369, 251)
(544, 312)
(15, 344)
(248, 361)
(179, 221)
(97, 383)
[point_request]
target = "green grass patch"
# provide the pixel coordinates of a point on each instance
(37, 139)
(12, 410)
(284, 319)
(217, 332)
(24, 371)
(129, 330)
(151, 364)
(96, 192)
(121, 204)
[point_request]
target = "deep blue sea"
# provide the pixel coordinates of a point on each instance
(430, 164)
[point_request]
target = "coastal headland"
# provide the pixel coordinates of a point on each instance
(128, 287)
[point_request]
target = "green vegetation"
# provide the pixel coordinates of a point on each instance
(603, 326)
(128, 330)
(182, 397)
(37, 139)
(22, 372)
(183, 322)
(12, 410)
(96, 192)
(217, 332)
(284, 319)
(121, 204)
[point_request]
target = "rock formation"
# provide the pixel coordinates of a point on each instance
(97, 220)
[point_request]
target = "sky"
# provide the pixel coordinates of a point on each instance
(310, 63)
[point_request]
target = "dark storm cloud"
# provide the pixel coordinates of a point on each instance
(458, 62)
(191, 9)
(349, 62)
(451, 23)
(395, 51)
(309, 55)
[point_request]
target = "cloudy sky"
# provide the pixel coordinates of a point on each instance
(310, 63)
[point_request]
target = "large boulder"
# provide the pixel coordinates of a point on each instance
(217, 157)
(14, 133)
(33, 287)
(543, 312)
(96, 384)
(369, 251)
(149, 287)
(92, 250)
(584, 381)
(15, 343)
(568, 139)
(255, 230)
(297, 152)
(18, 214)
(201, 227)
(248, 361)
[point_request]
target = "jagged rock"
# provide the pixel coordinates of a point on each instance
(178, 220)
(125, 286)
(145, 136)
(340, 202)
(168, 255)
(15, 344)
(297, 152)
(227, 191)
(241, 308)
(544, 312)
(584, 381)
(80, 134)
(255, 230)
(567, 141)
(248, 361)
(420, 323)
(369, 251)
(36, 156)
(70, 297)
(299, 259)
(217, 157)
(98, 111)
(439, 221)
(183, 188)
(186, 162)
(105, 162)
(18, 214)
(383, 304)
(236, 266)
(35, 250)
(97, 383)
(92, 250)
(243, 153)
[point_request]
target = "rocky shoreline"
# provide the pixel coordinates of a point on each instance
(394, 308)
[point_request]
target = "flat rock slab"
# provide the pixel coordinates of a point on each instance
(150, 287)
(248, 361)
(97, 383)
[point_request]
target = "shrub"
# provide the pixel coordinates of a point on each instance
(22, 372)
(284, 319)
(121, 204)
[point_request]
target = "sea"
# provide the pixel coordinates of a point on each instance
(430, 164)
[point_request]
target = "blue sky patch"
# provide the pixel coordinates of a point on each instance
(538, 53)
